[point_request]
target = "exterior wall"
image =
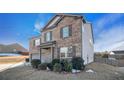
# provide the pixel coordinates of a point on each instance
(87, 43)
(74, 40)
(46, 55)
(34, 52)
(81, 38)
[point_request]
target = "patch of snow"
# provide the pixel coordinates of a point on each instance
(48, 69)
(90, 71)
(75, 71)
(18, 64)
(8, 66)
(4, 66)
(78, 71)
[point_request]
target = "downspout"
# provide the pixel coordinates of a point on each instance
(82, 39)
(40, 51)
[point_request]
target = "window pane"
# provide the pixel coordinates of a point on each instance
(63, 50)
(37, 42)
(62, 54)
(66, 52)
(69, 54)
(70, 49)
(65, 32)
(48, 36)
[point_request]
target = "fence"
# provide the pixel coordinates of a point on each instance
(107, 61)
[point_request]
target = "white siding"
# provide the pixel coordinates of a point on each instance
(87, 43)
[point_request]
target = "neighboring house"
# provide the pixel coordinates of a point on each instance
(65, 36)
(118, 54)
(121, 52)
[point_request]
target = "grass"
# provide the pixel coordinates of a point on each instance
(12, 59)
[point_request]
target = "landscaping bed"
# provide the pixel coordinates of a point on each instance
(57, 65)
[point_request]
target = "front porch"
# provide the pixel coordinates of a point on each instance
(47, 51)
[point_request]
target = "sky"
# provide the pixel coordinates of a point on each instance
(108, 29)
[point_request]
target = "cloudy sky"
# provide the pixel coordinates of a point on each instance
(108, 29)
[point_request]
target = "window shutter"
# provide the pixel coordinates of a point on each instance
(74, 51)
(70, 30)
(61, 33)
(33, 42)
(58, 52)
(40, 41)
(44, 37)
(50, 35)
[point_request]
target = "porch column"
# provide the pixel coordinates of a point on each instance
(30, 57)
(52, 52)
(40, 54)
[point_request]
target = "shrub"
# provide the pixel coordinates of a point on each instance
(57, 67)
(54, 61)
(66, 66)
(35, 63)
(42, 66)
(50, 66)
(77, 63)
(27, 60)
(69, 67)
(105, 56)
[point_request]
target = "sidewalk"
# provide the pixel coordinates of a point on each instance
(7, 66)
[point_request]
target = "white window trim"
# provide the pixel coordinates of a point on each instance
(63, 32)
(65, 53)
(37, 42)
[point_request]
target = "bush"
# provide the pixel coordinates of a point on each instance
(69, 67)
(50, 66)
(42, 66)
(54, 61)
(57, 67)
(66, 66)
(35, 63)
(27, 60)
(105, 56)
(77, 63)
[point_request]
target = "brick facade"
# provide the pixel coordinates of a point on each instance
(74, 40)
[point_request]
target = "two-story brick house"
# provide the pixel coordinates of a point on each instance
(64, 36)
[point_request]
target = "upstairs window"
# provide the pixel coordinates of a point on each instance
(65, 32)
(48, 36)
(36, 42)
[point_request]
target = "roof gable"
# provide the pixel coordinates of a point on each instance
(56, 19)
(53, 22)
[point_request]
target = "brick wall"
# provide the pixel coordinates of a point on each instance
(74, 40)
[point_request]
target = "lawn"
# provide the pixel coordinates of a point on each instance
(100, 72)
(12, 59)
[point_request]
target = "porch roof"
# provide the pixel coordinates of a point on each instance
(47, 44)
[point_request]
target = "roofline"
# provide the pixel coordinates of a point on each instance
(69, 15)
(35, 37)
(62, 14)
